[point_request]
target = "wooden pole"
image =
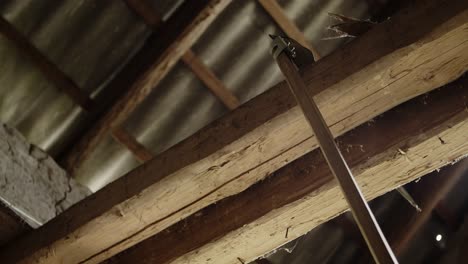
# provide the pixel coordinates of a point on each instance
(369, 227)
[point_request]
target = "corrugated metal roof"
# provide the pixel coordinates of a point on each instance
(90, 40)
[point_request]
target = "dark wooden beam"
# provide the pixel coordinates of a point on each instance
(161, 52)
(402, 127)
(144, 10)
(49, 69)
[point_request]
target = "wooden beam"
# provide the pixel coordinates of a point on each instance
(289, 28)
(146, 12)
(210, 80)
(266, 213)
(392, 63)
(49, 69)
(122, 136)
(187, 30)
(143, 9)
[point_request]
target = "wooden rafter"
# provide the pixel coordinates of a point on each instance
(188, 25)
(288, 27)
(303, 183)
(393, 62)
(122, 136)
(143, 9)
(49, 69)
(212, 82)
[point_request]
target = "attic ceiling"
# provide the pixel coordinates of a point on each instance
(90, 41)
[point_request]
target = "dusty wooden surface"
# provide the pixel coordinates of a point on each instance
(404, 126)
(355, 84)
(380, 174)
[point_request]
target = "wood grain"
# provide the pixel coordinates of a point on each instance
(365, 219)
(404, 127)
(378, 175)
(261, 136)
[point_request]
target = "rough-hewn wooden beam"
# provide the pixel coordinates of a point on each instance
(289, 28)
(307, 183)
(395, 61)
(185, 31)
(49, 69)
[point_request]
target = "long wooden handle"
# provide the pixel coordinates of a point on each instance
(369, 227)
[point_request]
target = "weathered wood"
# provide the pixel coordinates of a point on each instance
(122, 136)
(145, 11)
(289, 28)
(365, 219)
(185, 31)
(405, 127)
(49, 69)
(366, 77)
(210, 80)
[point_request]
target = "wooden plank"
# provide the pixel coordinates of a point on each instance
(405, 127)
(122, 136)
(368, 76)
(189, 29)
(145, 11)
(210, 80)
(49, 69)
(289, 28)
